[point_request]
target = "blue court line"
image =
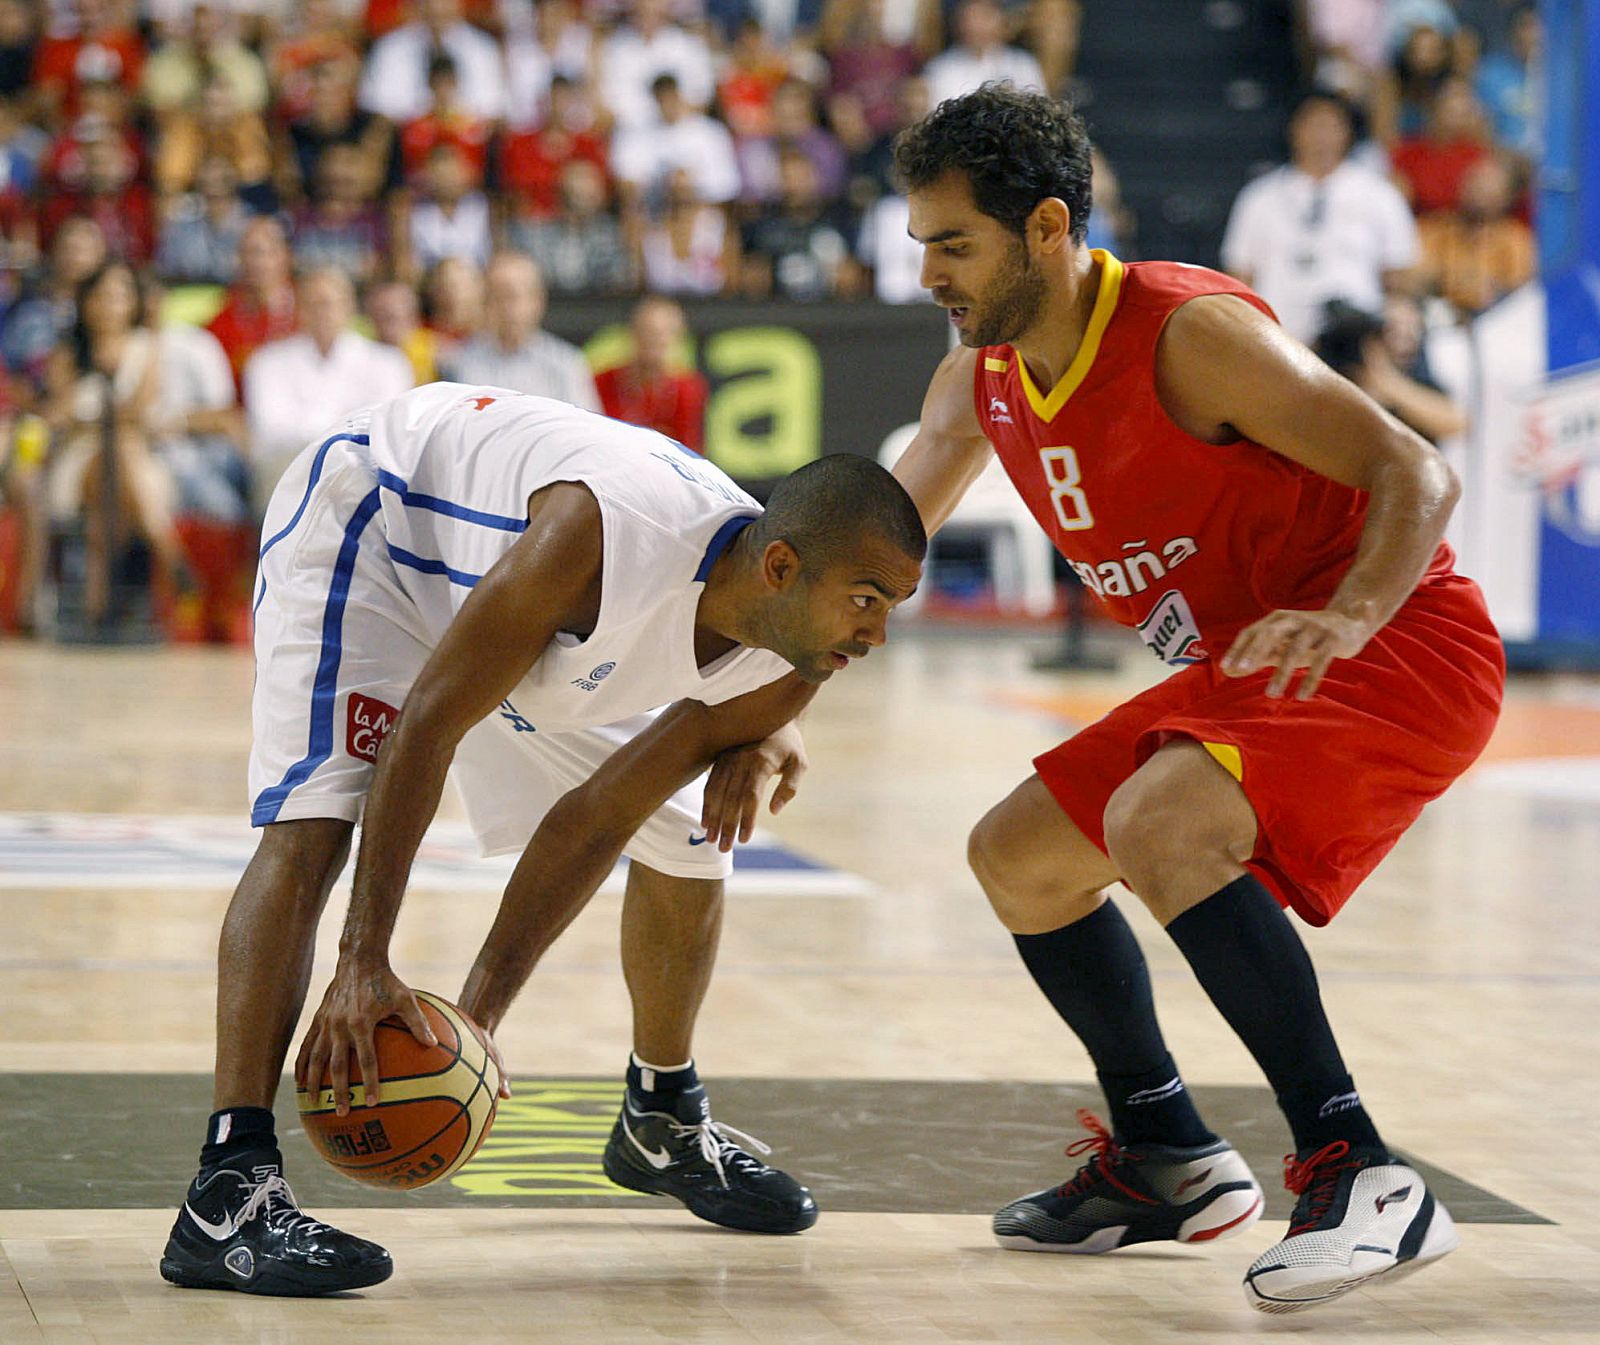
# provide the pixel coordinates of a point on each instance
(320, 746)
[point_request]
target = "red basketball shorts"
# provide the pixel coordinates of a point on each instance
(1335, 780)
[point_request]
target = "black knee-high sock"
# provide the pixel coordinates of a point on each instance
(1094, 973)
(1254, 967)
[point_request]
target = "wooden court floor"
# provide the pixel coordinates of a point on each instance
(1464, 981)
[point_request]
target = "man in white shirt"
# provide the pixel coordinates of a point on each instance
(651, 45)
(980, 56)
(1320, 227)
(512, 352)
(322, 372)
(644, 157)
(395, 83)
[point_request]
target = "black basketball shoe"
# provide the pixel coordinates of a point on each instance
(688, 1156)
(1144, 1193)
(1361, 1215)
(240, 1228)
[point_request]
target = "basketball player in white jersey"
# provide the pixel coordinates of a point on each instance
(472, 576)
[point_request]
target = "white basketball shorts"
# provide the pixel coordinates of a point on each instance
(338, 646)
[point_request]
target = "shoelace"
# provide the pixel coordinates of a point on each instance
(271, 1196)
(1107, 1153)
(717, 1140)
(1315, 1180)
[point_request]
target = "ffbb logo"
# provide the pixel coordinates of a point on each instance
(367, 724)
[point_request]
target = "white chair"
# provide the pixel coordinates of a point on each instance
(1020, 556)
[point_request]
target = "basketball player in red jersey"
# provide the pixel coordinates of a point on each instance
(1270, 530)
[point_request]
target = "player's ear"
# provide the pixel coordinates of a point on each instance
(780, 564)
(1051, 224)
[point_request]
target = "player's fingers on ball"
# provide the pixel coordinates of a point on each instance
(339, 1074)
(367, 1058)
(417, 1021)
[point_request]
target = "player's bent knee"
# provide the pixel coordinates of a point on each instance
(300, 859)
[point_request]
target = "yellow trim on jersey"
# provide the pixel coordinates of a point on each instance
(1105, 304)
(1228, 757)
(994, 366)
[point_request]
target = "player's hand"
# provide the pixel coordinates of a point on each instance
(358, 999)
(499, 1064)
(738, 779)
(1288, 641)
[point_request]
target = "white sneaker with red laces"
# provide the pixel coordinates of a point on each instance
(1361, 1215)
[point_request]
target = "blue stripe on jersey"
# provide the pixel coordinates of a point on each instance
(401, 556)
(449, 508)
(325, 687)
(316, 475)
(719, 543)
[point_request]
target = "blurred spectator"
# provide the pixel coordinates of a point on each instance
(688, 247)
(98, 48)
(980, 55)
(341, 226)
(655, 388)
(1429, 168)
(753, 71)
(1506, 84)
(1322, 226)
(111, 195)
(1403, 95)
(1111, 224)
(636, 54)
(260, 306)
(512, 352)
(581, 250)
(396, 320)
(24, 442)
(200, 237)
(333, 118)
(794, 127)
(1479, 253)
(796, 249)
(395, 84)
(872, 170)
(889, 253)
(216, 125)
(559, 46)
(19, 38)
(310, 379)
(208, 50)
(453, 302)
(791, 24)
(22, 149)
(321, 35)
(644, 156)
(105, 110)
(865, 63)
(1350, 44)
(447, 122)
(528, 165)
(40, 321)
(1053, 29)
(1362, 347)
(103, 384)
(452, 218)
(1403, 17)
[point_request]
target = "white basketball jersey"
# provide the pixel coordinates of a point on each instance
(455, 467)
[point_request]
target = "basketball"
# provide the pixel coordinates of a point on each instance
(436, 1104)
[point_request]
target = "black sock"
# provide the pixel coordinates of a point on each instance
(1094, 973)
(1254, 967)
(677, 1091)
(234, 1131)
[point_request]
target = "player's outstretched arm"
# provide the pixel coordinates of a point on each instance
(1224, 369)
(515, 610)
(950, 450)
(582, 836)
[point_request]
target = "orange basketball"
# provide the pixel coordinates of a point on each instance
(435, 1107)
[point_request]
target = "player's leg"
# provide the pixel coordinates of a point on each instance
(665, 1140)
(1160, 1174)
(1180, 830)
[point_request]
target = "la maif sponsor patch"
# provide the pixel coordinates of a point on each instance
(367, 723)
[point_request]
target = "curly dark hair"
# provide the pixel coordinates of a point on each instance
(1016, 148)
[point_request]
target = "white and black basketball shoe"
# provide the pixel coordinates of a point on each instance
(1361, 1216)
(1141, 1193)
(688, 1156)
(240, 1228)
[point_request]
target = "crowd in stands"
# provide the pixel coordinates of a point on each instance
(224, 223)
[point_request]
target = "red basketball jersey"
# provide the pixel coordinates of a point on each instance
(1187, 542)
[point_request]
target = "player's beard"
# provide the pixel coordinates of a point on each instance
(786, 631)
(1012, 304)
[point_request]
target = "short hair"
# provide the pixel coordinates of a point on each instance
(1016, 149)
(825, 508)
